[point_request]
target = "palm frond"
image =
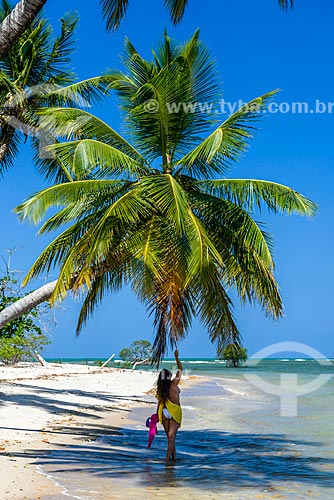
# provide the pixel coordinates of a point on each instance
(156, 131)
(224, 217)
(166, 194)
(89, 157)
(79, 124)
(245, 251)
(176, 9)
(35, 208)
(171, 306)
(286, 4)
(7, 88)
(101, 286)
(202, 249)
(60, 53)
(214, 308)
(51, 168)
(225, 145)
(176, 83)
(98, 242)
(113, 12)
(172, 319)
(56, 252)
(82, 93)
(202, 67)
(10, 141)
(252, 193)
(92, 203)
(5, 9)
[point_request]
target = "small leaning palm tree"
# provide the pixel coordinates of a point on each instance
(157, 210)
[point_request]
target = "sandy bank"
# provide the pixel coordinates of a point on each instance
(42, 407)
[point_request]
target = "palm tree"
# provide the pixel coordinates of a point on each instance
(157, 210)
(25, 11)
(35, 73)
(17, 21)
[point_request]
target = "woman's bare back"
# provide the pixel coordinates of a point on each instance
(174, 392)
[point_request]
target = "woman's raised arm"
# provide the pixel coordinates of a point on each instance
(178, 375)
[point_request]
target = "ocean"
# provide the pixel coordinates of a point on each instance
(263, 431)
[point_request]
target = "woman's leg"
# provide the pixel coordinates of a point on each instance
(173, 428)
(165, 423)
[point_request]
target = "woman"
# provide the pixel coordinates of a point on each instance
(169, 409)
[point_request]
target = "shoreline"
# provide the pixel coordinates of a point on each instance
(47, 408)
(86, 432)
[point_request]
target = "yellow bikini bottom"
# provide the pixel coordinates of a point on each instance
(174, 410)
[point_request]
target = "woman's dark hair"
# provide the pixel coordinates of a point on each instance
(163, 384)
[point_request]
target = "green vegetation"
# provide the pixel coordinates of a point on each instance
(139, 352)
(158, 210)
(233, 354)
(21, 325)
(20, 338)
(115, 10)
(35, 73)
(21, 347)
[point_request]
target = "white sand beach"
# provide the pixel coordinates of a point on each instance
(84, 427)
(40, 407)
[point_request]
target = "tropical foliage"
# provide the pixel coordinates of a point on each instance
(21, 347)
(115, 10)
(36, 73)
(233, 354)
(20, 338)
(16, 22)
(157, 209)
(22, 325)
(138, 352)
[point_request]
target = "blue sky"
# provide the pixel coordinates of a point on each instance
(258, 48)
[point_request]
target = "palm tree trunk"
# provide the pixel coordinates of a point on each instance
(17, 22)
(32, 300)
(27, 303)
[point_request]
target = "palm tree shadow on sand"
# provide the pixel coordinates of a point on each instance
(207, 460)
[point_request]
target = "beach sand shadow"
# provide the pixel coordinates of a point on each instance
(208, 460)
(38, 396)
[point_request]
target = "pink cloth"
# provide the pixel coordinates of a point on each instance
(152, 425)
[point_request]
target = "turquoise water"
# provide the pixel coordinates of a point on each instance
(234, 443)
(206, 366)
